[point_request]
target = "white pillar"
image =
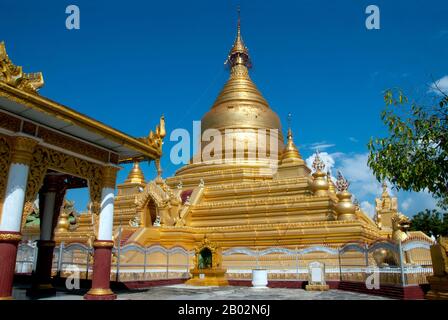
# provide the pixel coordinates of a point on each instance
(11, 218)
(47, 213)
(106, 214)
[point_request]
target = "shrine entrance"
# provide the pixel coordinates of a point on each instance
(205, 259)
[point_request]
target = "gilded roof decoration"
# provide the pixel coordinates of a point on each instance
(318, 164)
(341, 183)
(14, 76)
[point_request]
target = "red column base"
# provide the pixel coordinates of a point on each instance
(101, 272)
(100, 294)
(8, 253)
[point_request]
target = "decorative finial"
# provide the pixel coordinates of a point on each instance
(239, 54)
(290, 151)
(345, 208)
(318, 164)
(201, 183)
(238, 9)
(289, 125)
(341, 184)
(384, 194)
(180, 185)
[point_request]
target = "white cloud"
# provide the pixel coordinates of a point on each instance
(406, 203)
(440, 86)
(322, 145)
(352, 139)
(414, 202)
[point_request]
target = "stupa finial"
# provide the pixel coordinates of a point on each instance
(341, 184)
(318, 164)
(239, 54)
(385, 194)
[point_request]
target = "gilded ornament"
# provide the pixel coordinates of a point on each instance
(100, 292)
(109, 176)
(23, 148)
(6, 236)
(345, 207)
(5, 160)
(319, 185)
(15, 77)
(103, 244)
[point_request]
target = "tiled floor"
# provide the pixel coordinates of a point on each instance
(183, 292)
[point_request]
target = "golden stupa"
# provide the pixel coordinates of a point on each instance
(242, 202)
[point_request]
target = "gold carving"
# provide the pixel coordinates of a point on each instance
(155, 139)
(23, 150)
(99, 292)
(10, 237)
(9, 122)
(5, 159)
(103, 244)
(44, 159)
(109, 176)
(15, 77)
(74, 145)
(400, 226)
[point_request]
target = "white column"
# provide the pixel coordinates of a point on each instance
(11, 218)
(106, 214)
(47, 215)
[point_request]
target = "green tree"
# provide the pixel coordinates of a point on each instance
(431, 222)
(415, 154)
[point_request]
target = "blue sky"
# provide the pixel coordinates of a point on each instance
(132, 61)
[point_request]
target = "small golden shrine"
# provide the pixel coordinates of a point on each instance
(208, 269)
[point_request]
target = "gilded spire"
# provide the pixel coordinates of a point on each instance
(290, 151)
(240, 106)
(239, 54)
(136, 174)
(385, 194)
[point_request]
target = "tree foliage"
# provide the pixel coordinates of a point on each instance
(415, 154)
(431, 222)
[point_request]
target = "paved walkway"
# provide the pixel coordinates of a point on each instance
(183, 292)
